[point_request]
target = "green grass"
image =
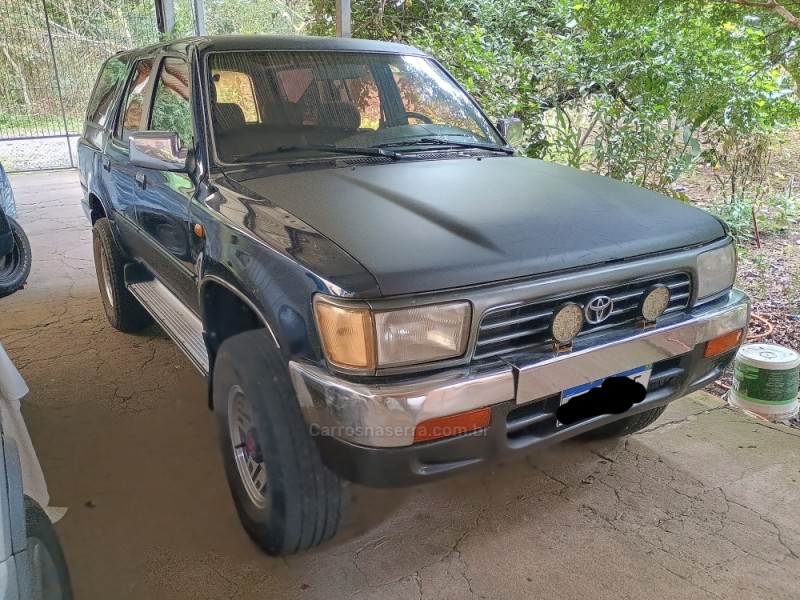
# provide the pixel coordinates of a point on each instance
(36, 125)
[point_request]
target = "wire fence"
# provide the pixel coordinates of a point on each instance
(50, 53)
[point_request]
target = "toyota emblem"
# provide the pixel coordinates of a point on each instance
(598, 309)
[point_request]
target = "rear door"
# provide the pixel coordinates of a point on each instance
(99, 116)
(120, 172)
(163, 197)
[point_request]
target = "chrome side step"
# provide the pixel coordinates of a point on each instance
(180, 323)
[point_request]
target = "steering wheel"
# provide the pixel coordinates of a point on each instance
(416, 115)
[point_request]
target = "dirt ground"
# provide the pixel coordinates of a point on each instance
(702, 505)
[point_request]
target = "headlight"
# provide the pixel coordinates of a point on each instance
(716, 270)
(356, 337)
(424, 334)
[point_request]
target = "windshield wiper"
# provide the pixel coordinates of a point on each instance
(322, 148)
(440, 142)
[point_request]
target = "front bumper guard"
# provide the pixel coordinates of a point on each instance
(385, 415)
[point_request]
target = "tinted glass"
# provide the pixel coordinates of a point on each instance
(111, 77)
(171, 108)
(262, 101)
(131, 118)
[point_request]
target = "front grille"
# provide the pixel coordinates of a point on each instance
(508, 330)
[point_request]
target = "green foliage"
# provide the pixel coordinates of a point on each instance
(741, 163)
(785, 212)
(250, 17)
(774, 214)
(738, 212)
(172, 113)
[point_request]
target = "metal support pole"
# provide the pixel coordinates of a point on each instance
(343, 19)
(199, 17)
(166, 15)
(58, 82)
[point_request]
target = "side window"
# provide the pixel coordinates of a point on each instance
(131, 118)
(171, 107)
(105, 90)
(233, 87)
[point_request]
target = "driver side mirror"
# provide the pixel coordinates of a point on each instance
(512, 130)
(160, 150)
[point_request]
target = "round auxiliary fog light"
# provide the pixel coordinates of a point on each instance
(567, 322)
(655, 302)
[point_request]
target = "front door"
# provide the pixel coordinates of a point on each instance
(163, 197)
(117, 170)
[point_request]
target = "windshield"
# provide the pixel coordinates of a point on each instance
(284, 104)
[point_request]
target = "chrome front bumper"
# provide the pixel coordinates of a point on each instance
(385, 415)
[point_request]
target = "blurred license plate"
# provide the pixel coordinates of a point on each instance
(640, 374)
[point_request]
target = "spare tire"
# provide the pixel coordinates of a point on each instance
(6, 236)
(16, 265)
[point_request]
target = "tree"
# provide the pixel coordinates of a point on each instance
(788, 10)
(634, 89)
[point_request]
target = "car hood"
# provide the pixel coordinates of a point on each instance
(430, 225)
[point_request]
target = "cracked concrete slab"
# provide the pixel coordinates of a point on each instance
(703, 504)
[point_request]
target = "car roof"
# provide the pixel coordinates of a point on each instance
(233, 43)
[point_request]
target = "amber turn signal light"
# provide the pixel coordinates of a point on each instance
(442, 427)
(723, 343)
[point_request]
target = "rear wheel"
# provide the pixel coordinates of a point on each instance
(287, 499)
(16, 265)
(626, 426)
(123, 311)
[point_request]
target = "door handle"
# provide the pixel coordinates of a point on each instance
(106, 163)
(140, 180)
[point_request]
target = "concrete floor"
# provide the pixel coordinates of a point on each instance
(704, 504)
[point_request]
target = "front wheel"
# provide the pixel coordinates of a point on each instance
(286, 498)
(626, 426)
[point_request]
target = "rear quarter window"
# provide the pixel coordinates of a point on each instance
(130, 119)
(110, 79)
(233, 87)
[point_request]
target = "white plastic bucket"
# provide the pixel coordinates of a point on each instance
(765, 381)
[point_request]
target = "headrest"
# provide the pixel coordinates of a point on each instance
(228, 115)
(343, 115)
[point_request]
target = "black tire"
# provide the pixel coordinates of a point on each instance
(293, 502)
(626, 426)
(123, 311)
(15, 266)
(48, 565)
